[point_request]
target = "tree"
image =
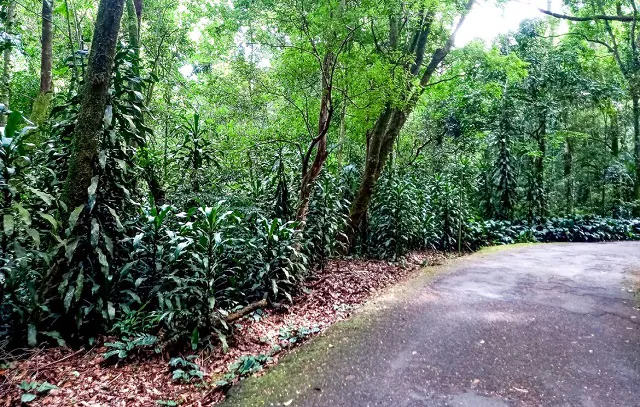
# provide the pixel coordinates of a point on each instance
(311, 172)
(41, 104)
(7, 67)
(603, 23)
(417, 29)
(84, 148)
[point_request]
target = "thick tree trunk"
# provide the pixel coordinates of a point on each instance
(380, 143)
(87, 133)
(7, 69)
(40, 110)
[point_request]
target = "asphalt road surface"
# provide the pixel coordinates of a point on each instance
(537, 325)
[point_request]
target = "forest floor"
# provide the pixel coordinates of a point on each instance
(83, 379)
(525, 325)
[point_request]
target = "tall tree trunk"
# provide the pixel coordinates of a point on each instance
(86, 135)
(40, 110)
(310, 174)
(134, 17)
(568, 175)
(7, 69)
(133, 31)
(614, 134)
(380, 142)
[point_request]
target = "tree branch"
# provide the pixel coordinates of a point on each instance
(600, 17)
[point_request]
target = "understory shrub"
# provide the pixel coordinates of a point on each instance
(574, 229)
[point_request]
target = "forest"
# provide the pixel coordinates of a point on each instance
(167, 167)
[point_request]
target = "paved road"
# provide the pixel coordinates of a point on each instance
(541, 325)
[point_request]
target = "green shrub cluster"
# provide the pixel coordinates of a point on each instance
(155, 273)
(574, 229)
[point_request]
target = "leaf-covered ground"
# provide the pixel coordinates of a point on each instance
(82, 378)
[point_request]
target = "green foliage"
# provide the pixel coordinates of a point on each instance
(395, 217)
(451, 213)
(327, 219)
(196, 151)
(293, 334)
(167, 403)
(576, 229)
(126, 347)
(244, 366)
(197, 265)
(184, 370)
(33, 390)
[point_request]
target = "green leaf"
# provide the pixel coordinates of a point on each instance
(49, 219)
(73, 218)
(35, 235)
(13, 121)
(137, 239)
(223, 340)
(46, 387)
(79, 286)
(27, 397)
(46, 198)
(113, 213)
(178, 374)
(8, 224)
(111, 310)
(104, 263)
(95, 232)
(108, 244)
(55, 335)
(125, 269)
(26, 216)
(32, 335)
(195, 338)
(27, 386)
(102, 159)
(121, 163)
(70, 249)
(92, 190)
(69, 297)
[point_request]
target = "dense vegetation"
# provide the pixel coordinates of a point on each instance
(158, 174)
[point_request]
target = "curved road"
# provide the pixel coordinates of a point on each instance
(539, 325)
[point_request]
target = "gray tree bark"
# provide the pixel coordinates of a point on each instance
(7, 69)
(40, 109)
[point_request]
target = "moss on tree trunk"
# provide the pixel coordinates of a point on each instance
(87, 133)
